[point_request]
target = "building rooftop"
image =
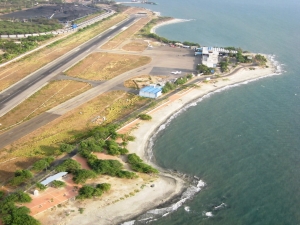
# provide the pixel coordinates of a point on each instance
(151, 89)
(53, 178)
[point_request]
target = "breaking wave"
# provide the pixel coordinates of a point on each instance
(154, 214)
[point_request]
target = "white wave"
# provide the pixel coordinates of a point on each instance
(209, 214)
(188, 194)
(187, 208)
(222, 205)
(128, 222)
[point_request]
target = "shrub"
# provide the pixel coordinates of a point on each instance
(81, 176)
(145, 117)
(19, 215)
(18, 196)
(58, 184)
(104, 187)
(2, 193)
(137, 164)
(68, 165)
(20, 177)
(43, 163)
(88, 191)
(66, 148)
(126, 174)
(40, 186)
(92, 145)
(108, 167)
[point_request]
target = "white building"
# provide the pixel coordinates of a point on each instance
(57, 176)
(210, 55)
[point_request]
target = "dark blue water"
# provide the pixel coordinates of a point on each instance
(243, 142)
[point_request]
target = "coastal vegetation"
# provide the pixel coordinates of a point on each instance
(42, 164)
(88, 191)
(260, 59)
(40, 186)
(169, 86)
(138, 165)
(82, 175)
(204, 69)
(57, 184)
(21, 176)
(13, 48)
(32, 26)
(11, 214)
(146, 32)
(145, 117)
(69, 165)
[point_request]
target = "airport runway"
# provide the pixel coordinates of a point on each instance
(17, 93)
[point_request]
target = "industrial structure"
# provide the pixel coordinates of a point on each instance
(151, 91)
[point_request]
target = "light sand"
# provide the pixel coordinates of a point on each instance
(172, 21)
(165, 186)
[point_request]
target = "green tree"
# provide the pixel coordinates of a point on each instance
(68, 165)
(18, 196)
(20, 177)
(66, 147)
(145, 117)
(104, 187)
(82, 175)
(137, 164)
(58, 184)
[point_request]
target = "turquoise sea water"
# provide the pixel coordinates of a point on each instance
(243, 142)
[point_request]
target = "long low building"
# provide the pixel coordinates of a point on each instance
(57, 176)
(151, 91)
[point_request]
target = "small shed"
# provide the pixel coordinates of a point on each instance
(151, 92)
(57, 176)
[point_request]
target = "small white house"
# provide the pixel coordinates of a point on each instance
(151, 92)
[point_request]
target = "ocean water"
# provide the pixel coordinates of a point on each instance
(243, 142)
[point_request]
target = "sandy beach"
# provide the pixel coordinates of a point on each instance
(171, 21)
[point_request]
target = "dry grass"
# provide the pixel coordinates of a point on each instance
(120, 38)
(48, 97)
(137, 46)
(14, 72)
(143, 80)
(45, 140)
(104, 66)
(7, 169)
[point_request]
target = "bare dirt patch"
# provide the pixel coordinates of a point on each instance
(137, 46)
(15, 71)
(142, 81)
(115, 42)
(104, 66)
(7, 169)
(120, 189)
(69, 127)
(48, 97)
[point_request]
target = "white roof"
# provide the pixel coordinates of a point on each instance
(53, 178)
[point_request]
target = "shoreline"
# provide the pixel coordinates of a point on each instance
(168, 22)
(166, 190)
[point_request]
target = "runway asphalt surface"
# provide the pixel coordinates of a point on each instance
(17, 93)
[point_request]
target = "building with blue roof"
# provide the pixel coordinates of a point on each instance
(151, 91)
